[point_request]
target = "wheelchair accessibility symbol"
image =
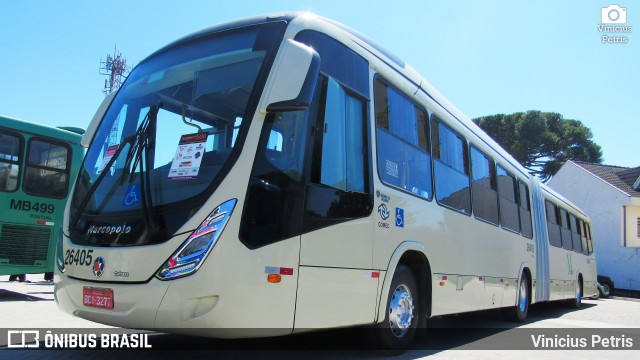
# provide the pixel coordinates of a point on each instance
(132, 197)
(399, 217)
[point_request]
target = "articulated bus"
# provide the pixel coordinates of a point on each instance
(38, 165)
(283, 173)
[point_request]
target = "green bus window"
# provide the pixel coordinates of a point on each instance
(9, 162)
(47, 169)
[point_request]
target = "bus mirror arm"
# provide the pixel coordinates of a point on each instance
(292, 83)
(97, 118)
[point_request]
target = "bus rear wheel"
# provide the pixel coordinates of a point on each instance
(396, 332)
(576, 302)
(519, 312)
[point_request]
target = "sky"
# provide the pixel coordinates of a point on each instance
(486, 57)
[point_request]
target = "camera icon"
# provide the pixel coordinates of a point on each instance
(613, 14)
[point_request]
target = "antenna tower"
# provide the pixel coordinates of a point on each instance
(116, 69)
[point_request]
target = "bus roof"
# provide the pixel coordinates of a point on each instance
(33, 128)
(391, 60)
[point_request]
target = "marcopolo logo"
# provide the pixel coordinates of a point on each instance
(109, 230)
(613, 24)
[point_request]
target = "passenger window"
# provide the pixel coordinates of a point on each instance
(343, 152)
(553, 224)
(402, 142)
(47, 171)
(583, 237)
(589, 239)
(484, 187)
(565, 230)
(451, 167)
(508, 206)
(525, 210)
(10, 159)
(575, 234)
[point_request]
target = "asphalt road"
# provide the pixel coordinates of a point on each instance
(599, 324)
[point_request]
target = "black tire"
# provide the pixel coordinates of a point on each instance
(607, 290)
(396, 332)
(576, 302)
(519, 312)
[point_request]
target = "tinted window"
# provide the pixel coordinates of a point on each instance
(589, 238)
(47, 169)
(507, 194)
(339, 188)
(525, 210)
(402, 147)
(575, 234)
(451, 167)
(553, 224)
(343, 151)
(10, 151)
(565, 230)
(484, 187)
(276, 187)
(583, 237)
(338, 61)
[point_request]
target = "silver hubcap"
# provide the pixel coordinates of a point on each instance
(400, 310)
(522, 303)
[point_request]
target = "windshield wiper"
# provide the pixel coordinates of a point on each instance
(137, 142)
(92, 189)
(139, 156)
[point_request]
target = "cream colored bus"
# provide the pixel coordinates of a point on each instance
(283, 173)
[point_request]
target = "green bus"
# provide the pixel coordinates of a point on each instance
(38, 165)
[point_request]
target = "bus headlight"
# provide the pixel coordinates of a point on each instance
(59, 252)
(192, 253)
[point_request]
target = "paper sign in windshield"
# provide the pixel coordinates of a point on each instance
(111, 150)
(186, 162)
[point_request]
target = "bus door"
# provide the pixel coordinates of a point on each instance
(336, 285)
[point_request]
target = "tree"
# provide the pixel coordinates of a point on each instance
(542, 141)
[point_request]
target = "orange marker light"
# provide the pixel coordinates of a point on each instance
(274, 278)
(442, 283)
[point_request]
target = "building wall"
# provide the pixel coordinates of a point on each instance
(604, 204)
(633, 226)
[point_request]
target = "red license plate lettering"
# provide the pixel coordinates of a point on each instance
(97, 297)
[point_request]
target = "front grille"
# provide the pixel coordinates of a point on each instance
(24, 245)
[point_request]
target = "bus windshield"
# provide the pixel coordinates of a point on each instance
(167, 137)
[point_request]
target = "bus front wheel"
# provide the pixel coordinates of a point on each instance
(398, 329)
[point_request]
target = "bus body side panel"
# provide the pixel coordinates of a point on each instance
(468, 257)
(230, 296)
(337, 286)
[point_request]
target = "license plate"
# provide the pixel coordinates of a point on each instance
(97, 297)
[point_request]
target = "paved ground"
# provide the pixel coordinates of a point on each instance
(31, 306)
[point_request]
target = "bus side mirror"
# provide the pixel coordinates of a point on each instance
(292, 82)
(93, 126)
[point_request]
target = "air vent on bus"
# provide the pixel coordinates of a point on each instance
(24, 245)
